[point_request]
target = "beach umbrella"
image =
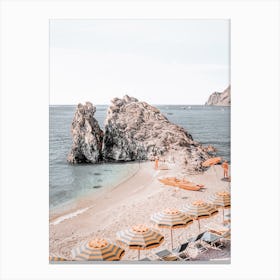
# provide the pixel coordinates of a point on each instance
(220, 199)
(140, 237)
(172, 219)
(199, 209)
(54, 258)
(211, 161)
(98, 250)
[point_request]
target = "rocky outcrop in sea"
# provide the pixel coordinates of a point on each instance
(219, 98)
(87, 136)
(135, 130)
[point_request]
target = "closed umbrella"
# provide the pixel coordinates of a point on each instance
(140, 237)
(98, 250)
(172, 219)
(199, 210)
(220, 199)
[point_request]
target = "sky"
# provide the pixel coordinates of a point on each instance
(157, 61)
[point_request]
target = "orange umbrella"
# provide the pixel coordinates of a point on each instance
(211, 161)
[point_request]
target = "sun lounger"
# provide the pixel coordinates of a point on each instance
(212, 240)
(166, 255)
(217, 228)
(197, 242)
(226, 236)
(200, 248)
(227, 219)
(180, 251)
(196, 238)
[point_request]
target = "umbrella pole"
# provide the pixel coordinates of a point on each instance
(138, 254)
(171, 238)
(215, 171)
(198, 225)
(223, 216)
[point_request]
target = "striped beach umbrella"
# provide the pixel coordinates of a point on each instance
(220, 199)
(98, 250)
(199, 210)
(54, 258)
(140, 237)
(171, 218)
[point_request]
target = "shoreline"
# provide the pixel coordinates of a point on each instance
(78, 204)
(131, 202)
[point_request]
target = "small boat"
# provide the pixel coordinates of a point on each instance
(183, 184)
(169, 113)
(171, 181)
(190, 186)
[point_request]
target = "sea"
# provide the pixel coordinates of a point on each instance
(208, 125)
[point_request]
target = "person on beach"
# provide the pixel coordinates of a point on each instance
(156, 163)
(225, 167)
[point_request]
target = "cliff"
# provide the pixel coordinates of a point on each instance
(219, 98)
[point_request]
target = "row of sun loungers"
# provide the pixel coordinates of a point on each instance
(202, 242)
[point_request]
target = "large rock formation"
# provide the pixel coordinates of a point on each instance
(137, 131)
(87, 136)
(219, 98)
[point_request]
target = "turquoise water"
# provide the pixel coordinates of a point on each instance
(208, 125)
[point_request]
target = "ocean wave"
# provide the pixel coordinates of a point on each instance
(69, 216)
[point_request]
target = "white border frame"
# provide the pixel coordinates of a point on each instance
(24, 137)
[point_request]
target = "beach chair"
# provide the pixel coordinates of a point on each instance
(166, 255)
(181, 252)
(197, 243)
(227, 220)
(196, 238)
(225, 238)
(213, 240)
(217, 228)
(200, 248)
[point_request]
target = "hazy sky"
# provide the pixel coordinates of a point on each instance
(158, 61)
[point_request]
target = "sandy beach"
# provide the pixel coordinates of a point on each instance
(132, 202)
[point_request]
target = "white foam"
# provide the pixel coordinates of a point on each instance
(69, 216)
